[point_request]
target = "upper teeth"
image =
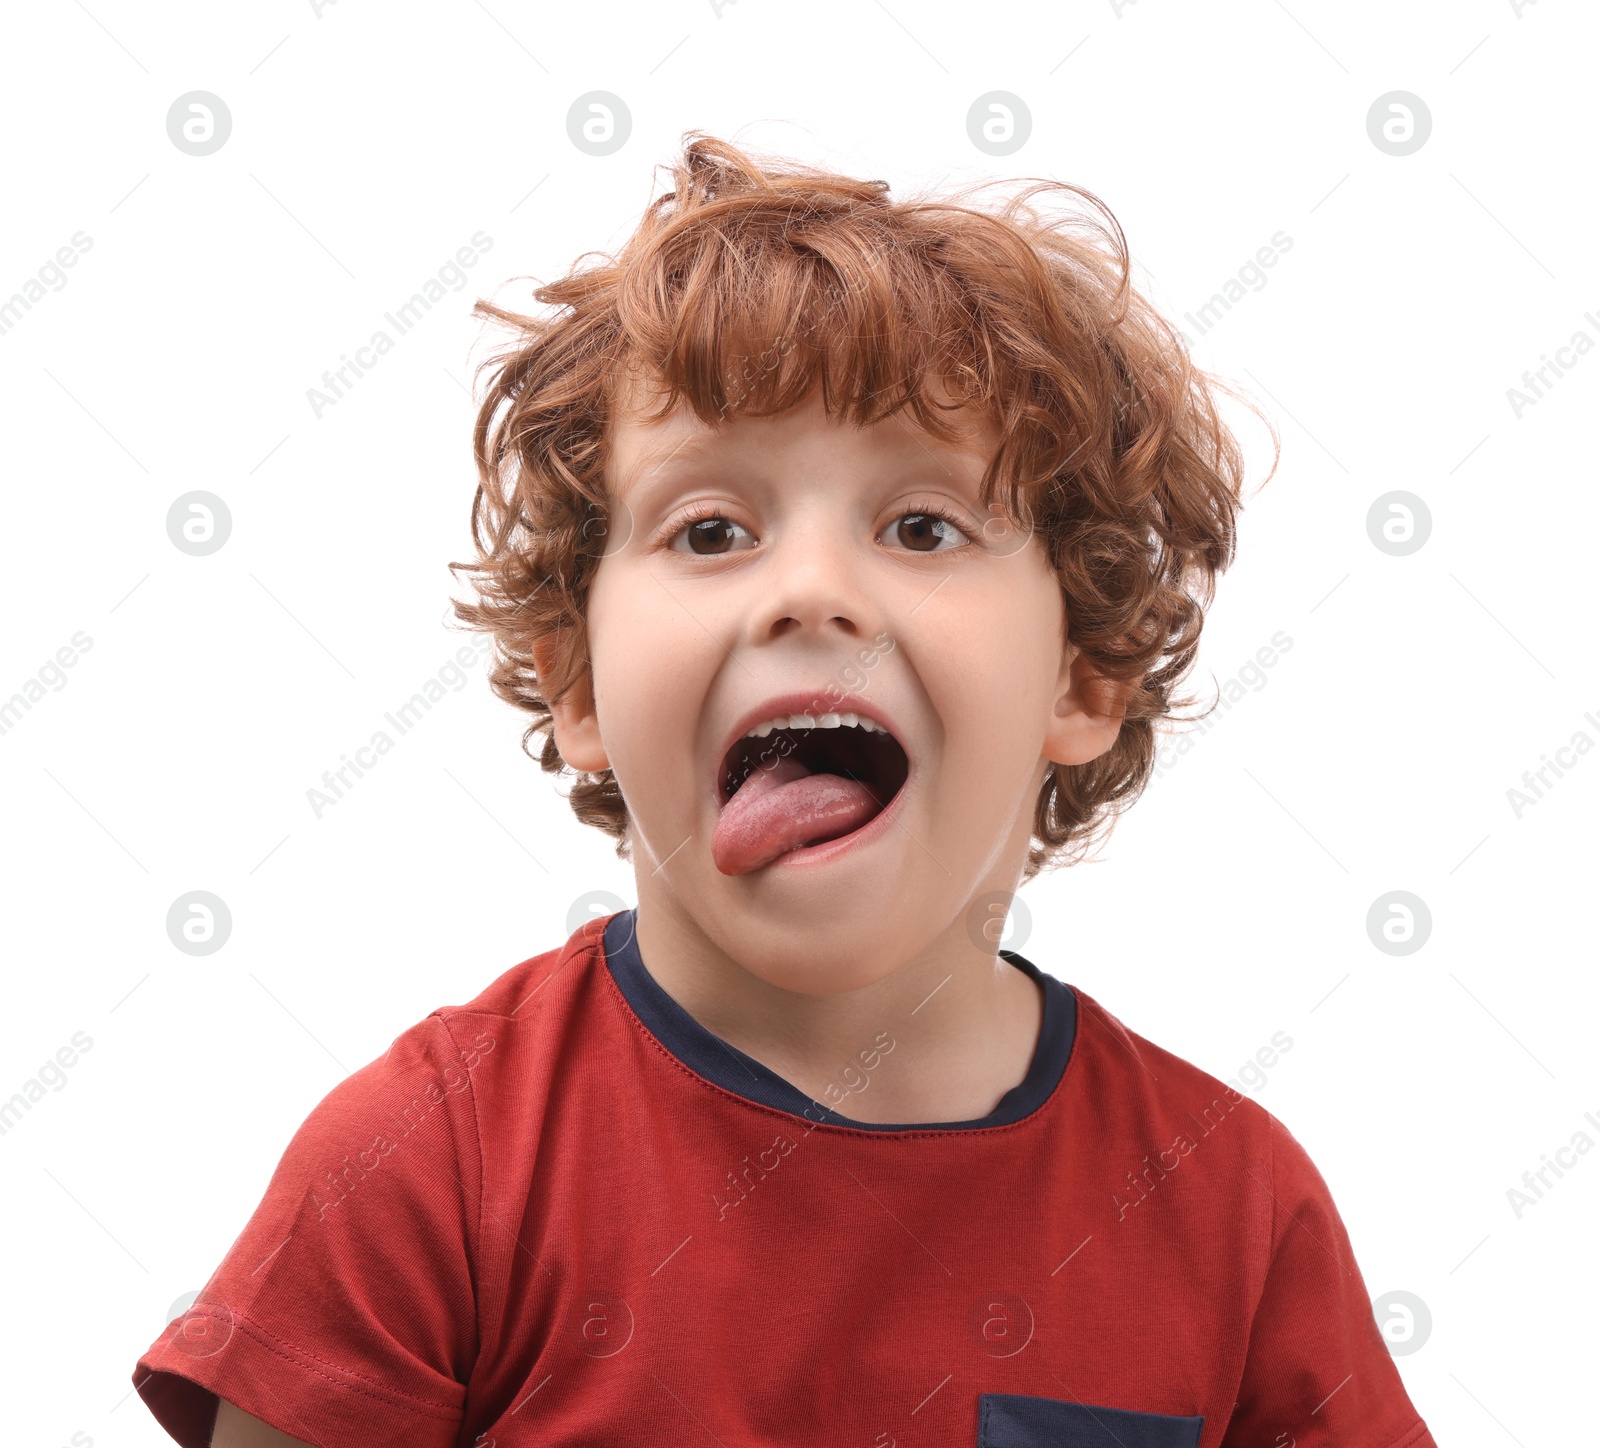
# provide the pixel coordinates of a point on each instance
(814, 721)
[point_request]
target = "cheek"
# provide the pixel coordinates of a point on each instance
(651, 673)
(1012, 628)
(991, 658)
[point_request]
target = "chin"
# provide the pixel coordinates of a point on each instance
(815, 957)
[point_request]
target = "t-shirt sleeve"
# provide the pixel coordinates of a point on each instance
(1317, 1372)
(344, 1314)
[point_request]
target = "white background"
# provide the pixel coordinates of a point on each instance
(371, 142)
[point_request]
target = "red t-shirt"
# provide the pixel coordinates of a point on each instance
(566, 1213)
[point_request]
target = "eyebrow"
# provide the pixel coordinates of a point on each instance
(662, 467)
(687, 450)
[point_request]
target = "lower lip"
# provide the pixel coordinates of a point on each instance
(831, 849)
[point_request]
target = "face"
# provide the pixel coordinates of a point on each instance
(775, 571)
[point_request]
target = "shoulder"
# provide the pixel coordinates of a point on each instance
(1186, 1147)
(1155, 1111)
(511, 1045)
(453, 1086)
(528, 1011)
(534, 998)
(354, 1289)
(1163, 1122)
(529, 988)
(1151, 1086)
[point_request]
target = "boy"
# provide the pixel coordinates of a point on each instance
(848, 552)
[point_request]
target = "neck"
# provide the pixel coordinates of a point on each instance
(937, 1034)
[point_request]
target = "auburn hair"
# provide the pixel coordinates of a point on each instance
(756, 281)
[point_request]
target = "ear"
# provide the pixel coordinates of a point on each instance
(1088, 711)
(577, 726)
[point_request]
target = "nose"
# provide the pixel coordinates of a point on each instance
(816, 580)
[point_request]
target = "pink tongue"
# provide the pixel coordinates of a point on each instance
(782, 807)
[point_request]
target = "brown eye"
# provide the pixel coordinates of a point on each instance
(926, 532)
(711, 536)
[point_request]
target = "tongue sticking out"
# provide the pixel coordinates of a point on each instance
(784, 806)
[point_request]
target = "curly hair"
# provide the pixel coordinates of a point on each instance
(755, 282)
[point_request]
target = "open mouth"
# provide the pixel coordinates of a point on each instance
(807, 780)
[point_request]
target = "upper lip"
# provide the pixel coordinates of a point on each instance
(814, 702)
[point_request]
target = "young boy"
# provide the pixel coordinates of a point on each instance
(848, 552)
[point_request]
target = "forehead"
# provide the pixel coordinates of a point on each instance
(641, 446)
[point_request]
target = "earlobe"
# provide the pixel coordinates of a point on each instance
(1088, 713)
(575, 720)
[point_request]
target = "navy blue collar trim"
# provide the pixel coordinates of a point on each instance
(711, 1057)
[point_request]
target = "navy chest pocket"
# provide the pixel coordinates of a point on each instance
(1009, 1420)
